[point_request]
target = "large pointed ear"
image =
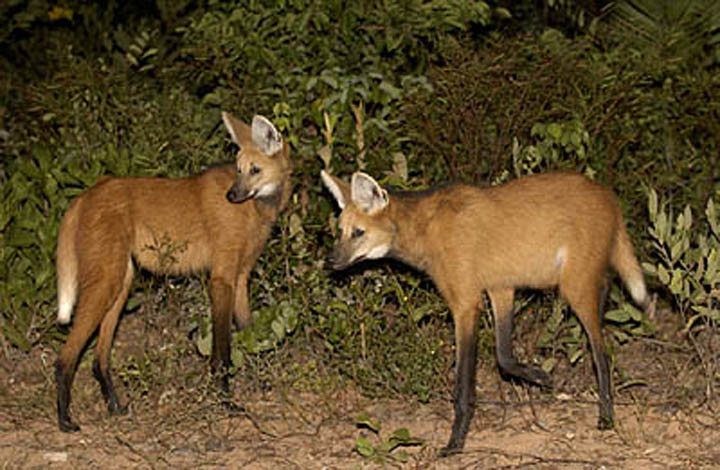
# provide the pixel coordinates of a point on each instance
(265, 137)
(367, 194)
(338, 188)
(239, 131)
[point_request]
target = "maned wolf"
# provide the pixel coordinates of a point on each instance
(221, 219)
(539, 231)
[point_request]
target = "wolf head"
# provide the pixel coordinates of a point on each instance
(366, 230)
(261, 165)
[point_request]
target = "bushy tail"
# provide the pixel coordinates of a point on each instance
(624, 262)
(67, 263)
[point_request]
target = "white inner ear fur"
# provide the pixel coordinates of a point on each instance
(265, 137)
(227, 119)
(333, 187)
(367, 194)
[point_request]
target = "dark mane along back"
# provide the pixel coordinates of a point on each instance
(423, 193)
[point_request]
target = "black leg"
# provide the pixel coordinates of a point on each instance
(502, 303)
(64, 382)
(464, 392)
(108, 390)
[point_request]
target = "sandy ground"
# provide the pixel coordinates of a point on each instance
(307, 432)
(665, 415)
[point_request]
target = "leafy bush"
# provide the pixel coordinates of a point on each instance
(322, 57)
(513, 95)
(667, 35)
(687, 259)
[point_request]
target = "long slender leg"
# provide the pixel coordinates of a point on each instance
(101, 365)
(465, 319)
(502, 304)
(584, 294)
(222, 298)
(93, 302)
(591, 321)
(243, 317)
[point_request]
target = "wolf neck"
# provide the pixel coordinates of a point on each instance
(411, 218)
(270, 206)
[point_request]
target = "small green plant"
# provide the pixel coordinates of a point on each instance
(139, 51)
(687, 259)
(383, 450)
(558, 145)
(561, 333)
(271, 325)
(137, 374)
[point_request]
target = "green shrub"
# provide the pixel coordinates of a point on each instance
(322, 57)
(687, 259)
(630, 130)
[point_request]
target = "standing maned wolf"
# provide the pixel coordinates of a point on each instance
(220, 219)
(539, 231)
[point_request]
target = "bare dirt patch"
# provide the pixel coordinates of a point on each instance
(666, 419)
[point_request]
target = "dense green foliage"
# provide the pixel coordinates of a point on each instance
(416, 92)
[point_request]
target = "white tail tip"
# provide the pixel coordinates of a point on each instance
(64, 312)
(638, 291)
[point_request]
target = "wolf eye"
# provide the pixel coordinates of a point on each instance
(254, 170)
(357, 233)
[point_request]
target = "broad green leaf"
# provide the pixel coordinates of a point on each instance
(677, 250)
(576, 356)
(537, 129)
(401, 434)
(364, 447)
(621, 336)
(204, 344)
(278, 328)
(687, 218)
(237, 357)
(364, 420)
(712, 218)
(649, 268)
(133, 302)
(652, 203)
(390, 90)
(635, 313)
(677, 284)
(554, 130)
(548, 364)
(617, 316)
(712, 266)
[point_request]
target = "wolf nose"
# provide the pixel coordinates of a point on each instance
(236, 195)
(331, 260)
(231, 195)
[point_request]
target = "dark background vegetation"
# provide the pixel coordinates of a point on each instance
(417, 93)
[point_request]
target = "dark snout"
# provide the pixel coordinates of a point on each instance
(338, 259)
(332, 261)
(238, 193)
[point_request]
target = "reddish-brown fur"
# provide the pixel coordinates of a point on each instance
(539, 231)
(218, 221)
